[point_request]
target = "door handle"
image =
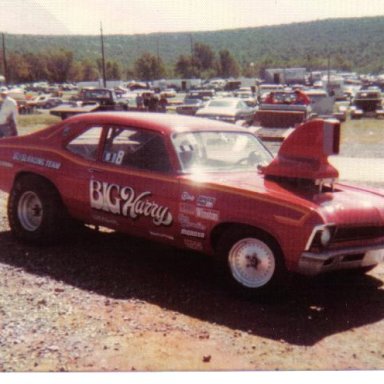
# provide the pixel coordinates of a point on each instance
(94, 170)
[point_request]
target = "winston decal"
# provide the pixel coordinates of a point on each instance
(125, 201)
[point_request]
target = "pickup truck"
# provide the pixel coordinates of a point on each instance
(91, 100)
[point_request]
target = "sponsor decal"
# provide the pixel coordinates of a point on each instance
(186, 222)
(206, 201)
(163, 235)
(125, 201)
(186, 196)
(207, 214)
(23, 157)
(193, 244)
(192, 233)
(105, 220)
(188, 209)
(6, 164)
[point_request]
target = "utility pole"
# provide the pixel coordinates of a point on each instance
(192, 56)
(158, 58)
(329, 74)
(103, 56)
(5, 66)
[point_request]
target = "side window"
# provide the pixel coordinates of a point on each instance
(137, 148)
(86, 144)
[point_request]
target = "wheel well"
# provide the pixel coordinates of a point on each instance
(36, 176)
(218, 232)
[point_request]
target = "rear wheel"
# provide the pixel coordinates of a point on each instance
(35, 211)
(252, 262)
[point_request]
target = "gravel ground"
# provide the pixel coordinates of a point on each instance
(111, 303)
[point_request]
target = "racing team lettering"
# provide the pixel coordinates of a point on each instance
(124, 201)
(25, 158)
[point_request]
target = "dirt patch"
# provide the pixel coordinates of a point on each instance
(108, 302)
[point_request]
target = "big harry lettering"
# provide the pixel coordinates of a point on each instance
(125, 201)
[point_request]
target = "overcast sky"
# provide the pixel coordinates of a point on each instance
(147, 16)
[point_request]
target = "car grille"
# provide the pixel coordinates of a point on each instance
(344, 234)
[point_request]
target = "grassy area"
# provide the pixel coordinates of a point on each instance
(363, 131)
(31, 123)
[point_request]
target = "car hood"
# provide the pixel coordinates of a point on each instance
(343, 204)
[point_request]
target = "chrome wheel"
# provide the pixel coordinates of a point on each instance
(251, 262)
(30, 211)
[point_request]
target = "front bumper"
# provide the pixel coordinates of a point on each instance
(312, 263)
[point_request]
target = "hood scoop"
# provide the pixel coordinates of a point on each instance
(303, 155)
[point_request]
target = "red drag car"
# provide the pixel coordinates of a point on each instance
(197, 184)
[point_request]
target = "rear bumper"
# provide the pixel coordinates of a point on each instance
(348, 258)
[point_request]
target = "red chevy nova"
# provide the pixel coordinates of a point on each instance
(198, 184)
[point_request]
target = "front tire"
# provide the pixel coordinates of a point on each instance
(252, 262)
(35, 211)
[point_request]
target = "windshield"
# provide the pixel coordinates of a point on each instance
(219, 151)
(192, 101)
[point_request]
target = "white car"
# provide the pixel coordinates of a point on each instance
(227, 109)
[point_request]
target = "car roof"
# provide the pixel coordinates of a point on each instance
(162, 122)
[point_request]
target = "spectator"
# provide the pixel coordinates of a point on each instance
(139, 102)
(153, 103)
(146, 99)
(270, 99)
(301, 98)
(163, 102)
(8, 114)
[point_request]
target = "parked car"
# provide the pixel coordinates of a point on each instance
(323, 105)
(189, 106)
(367, 102)
(45, 101)
(168, 93)
(247, 97)
(227, 109)
(202, 94)
(91, 100)
(200, 185)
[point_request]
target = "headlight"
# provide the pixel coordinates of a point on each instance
(321, 237)
(325, 237)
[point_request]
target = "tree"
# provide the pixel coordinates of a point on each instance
(203, 57)
(227, 65)
(149, 67)
(88, 71)
(113, 70)
(19, 69)
(59, 65)
(184, 67)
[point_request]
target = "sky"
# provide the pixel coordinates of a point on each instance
(84, 17)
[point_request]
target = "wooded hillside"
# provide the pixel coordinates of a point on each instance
(355, 44)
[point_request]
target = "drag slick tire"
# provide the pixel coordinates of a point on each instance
(35, 211)
(252, 262)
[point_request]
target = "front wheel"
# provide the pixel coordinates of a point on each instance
(35, 211)
(252, 262)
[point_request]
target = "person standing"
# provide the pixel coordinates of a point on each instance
(8, 115)
(139, 102)
(301, 98)
(163, 102)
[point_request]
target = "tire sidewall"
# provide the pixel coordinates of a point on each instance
(52, 216)
(278, 280)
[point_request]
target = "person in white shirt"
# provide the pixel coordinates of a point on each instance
(8, 115)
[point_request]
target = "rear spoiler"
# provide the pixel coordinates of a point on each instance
(304, 153)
